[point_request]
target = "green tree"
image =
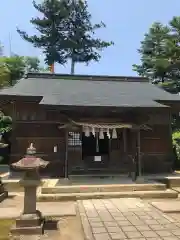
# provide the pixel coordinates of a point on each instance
(83, 46)
(66, 32)
(4, 76)
(13, 68)
(4, 71)
(5, 123)
(16, 66)
(173, 51)
(51, 30)
(153, 53)
(32, 64)
(5, 130)
(44, 69)
(160, 55)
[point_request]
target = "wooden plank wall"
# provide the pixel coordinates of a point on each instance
(40, 126)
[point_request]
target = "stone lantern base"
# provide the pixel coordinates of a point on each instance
(28, 224)
(3, 192)
(140, 179)
(31, 221)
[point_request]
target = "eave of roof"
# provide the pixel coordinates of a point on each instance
(123, 102)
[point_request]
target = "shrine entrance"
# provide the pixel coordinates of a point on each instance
(95, 151)
(99, 149)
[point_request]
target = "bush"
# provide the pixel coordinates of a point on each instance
(176, 143)
(5, 123)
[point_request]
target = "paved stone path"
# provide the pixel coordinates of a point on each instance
(120, 219)
(47, 236)
(12, 208)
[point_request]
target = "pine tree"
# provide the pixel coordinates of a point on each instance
(66, 32)
(83, 46)
(51, 38)
(160, 55)
(173, 49)
(154, 57)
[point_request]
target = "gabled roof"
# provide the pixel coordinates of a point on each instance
(68, 90)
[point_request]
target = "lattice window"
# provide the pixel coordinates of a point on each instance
(25, 116)
(74, 139)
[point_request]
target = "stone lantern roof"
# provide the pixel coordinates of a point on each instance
(30, 161)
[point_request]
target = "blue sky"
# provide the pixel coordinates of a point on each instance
(126, 20)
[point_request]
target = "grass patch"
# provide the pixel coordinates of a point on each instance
(5, 225)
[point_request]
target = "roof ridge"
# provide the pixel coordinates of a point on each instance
(86, 77)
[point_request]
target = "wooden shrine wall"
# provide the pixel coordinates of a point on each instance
(35, 124)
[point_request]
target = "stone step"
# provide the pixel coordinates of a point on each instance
(171, 182)
(98, 195)
(103, 188)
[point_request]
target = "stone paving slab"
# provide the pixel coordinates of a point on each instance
(68, 229)
(167, 206)
(121, 219)
(47, 236)
(53, 209)
(177, 189)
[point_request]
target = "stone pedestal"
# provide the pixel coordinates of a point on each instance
(30, 221)
(3, 192)
(133, 176)
(65, 181)
(140, 179)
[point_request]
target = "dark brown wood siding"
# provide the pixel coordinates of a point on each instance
(156, 149)
(156, 140)
(35, 124)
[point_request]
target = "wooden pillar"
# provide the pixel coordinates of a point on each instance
(66, 154)
(13, 135)
(139, 153)
(125, 140)
(110, 148)
(171, 144)
(170, 130)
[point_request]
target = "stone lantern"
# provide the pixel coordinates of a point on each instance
(30, 221)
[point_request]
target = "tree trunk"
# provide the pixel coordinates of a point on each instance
(52, 68)
(72, 66)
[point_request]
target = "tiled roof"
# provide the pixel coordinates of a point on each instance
(88, 92)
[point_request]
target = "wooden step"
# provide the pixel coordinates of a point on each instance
(98, 195)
